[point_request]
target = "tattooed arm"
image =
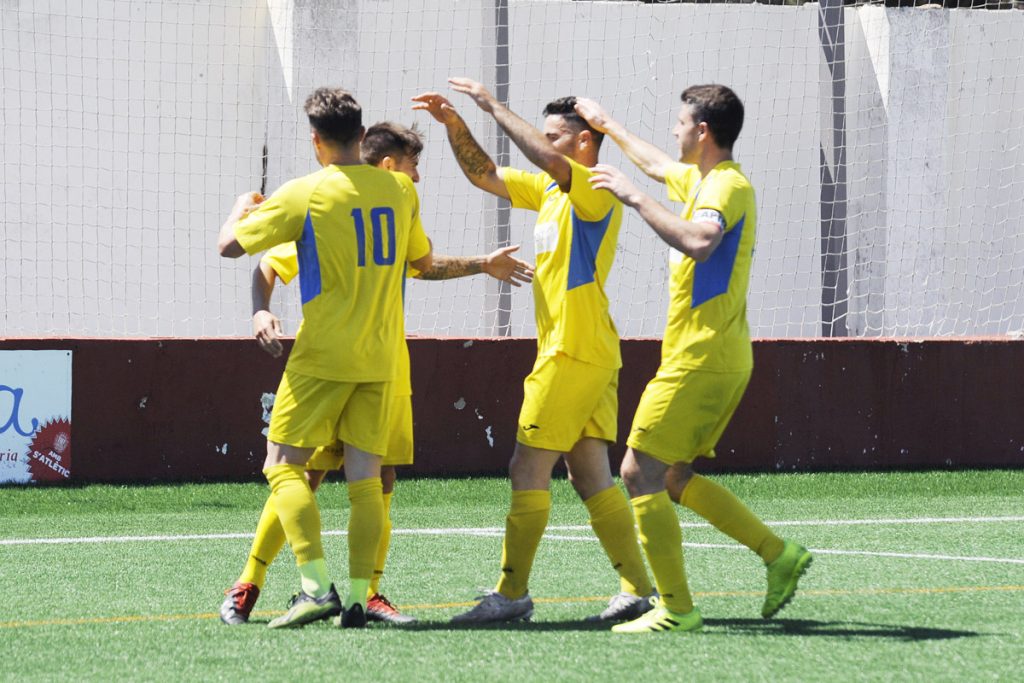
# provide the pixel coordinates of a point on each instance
(499, 264)
(476, 164)
(532, 142)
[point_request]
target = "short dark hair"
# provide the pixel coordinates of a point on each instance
(566, 108)
(720, 108)
(387, 139)
(335, 115)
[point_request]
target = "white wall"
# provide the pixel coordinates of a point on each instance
(126, 130)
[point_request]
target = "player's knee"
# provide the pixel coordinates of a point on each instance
(387, 478)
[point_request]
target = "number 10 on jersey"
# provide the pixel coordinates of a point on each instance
(382, 227)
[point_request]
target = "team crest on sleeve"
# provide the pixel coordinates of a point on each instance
(545, 237)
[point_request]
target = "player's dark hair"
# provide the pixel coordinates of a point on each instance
(566, 108)
(387, 139)
(720, 108)
(335, 115)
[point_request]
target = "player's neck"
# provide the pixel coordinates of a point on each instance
(341, 156)
(711, 157)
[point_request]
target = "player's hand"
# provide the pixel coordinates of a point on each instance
(267, 328)
(501, 265)
(609, 178)
(246, 204)
(484, 99)
(437, 105)
(593, 114)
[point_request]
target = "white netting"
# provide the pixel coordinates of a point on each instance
(127, 128)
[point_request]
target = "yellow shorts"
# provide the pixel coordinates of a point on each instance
(683, 413)
(310, 412)
(566, 400)
(400, 444)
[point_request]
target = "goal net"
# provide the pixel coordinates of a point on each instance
(886, 146)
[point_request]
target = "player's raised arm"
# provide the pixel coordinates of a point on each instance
(499, 264)
(475, 163)
(648, 158)
(266, 326)
(696, 240)
(532, 142)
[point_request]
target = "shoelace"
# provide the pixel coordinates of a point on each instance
(381, 599)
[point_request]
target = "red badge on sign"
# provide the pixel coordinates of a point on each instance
(49, 454)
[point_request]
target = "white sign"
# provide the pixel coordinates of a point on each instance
(35, 416)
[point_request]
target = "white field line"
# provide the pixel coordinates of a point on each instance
(499, 531)
(829, 551)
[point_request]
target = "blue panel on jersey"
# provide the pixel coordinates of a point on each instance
(586, 241)
(309, 262)
(553, 185)
(711, 278)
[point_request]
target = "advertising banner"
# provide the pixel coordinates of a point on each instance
(35, 416)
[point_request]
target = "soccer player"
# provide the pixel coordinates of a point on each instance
(570, 404)
(706, 355)
(395, 148)
(355, 227)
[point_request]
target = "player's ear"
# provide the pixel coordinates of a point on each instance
(388, 163)
(584, 139)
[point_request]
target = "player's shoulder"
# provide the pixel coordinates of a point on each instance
(731, 176)
(679, 173)
(303, 185)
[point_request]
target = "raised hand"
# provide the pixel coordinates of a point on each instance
(501, 265)
(437, 105)
(484, 99)
(593, 114)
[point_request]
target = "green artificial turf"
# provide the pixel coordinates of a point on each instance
(917, 576)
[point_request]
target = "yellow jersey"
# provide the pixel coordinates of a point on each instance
(707, 327)
(354, 228)
(285, 261)
(575, 238)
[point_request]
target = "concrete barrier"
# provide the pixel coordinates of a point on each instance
(164, 410)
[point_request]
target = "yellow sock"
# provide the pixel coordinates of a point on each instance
(524, 528)
(612, 521)
(365, 522)
(357, 589)
(315, 580)
(663, 543)
(382, 548)
(296, 508)
(265, 547)
(729, 515)
(300, 518)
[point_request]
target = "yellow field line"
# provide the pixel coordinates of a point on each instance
(449, 605)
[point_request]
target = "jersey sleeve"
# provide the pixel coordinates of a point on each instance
(284, 260)
(526, 190)
(590, 204)
(277, 220)
(680, 180)
(723, 202)
(419, 245)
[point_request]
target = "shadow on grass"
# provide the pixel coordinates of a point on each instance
(843, 630)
